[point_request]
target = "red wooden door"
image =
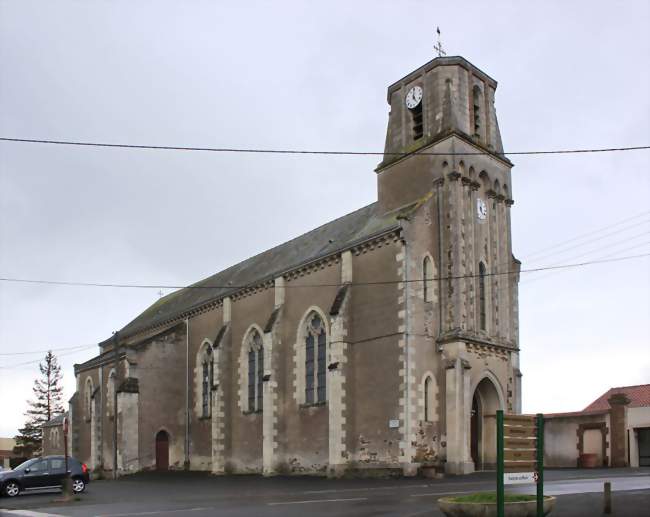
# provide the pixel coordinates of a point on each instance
(162, 450)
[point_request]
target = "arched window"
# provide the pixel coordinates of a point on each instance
(481, 295)
(110, 393)
(88, 398)
(476, 98)
(315, 360)
(207, 373)
(427, 279)
(255, 371)
(429, 399)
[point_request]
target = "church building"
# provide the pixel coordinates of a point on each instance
(382, 341)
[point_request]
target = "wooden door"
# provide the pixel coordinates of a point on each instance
(162, 450)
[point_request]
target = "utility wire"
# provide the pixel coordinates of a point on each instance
(39, 360)
(80, 347)
(298, 151)
(588, 234)
(384, 282)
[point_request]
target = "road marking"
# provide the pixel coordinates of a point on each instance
(318, 501)
(429, 494)
(157, 512)
(28, 513)
(363, 489)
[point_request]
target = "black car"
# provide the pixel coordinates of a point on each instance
(41, 473)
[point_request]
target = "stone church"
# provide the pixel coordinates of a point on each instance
(381, 341)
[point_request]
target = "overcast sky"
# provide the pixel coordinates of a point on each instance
(308, 75)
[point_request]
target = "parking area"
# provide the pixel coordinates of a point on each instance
(579, 493)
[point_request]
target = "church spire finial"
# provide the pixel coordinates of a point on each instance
(438, 46)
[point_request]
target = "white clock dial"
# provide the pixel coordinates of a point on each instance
(413, 97)
(481, 209)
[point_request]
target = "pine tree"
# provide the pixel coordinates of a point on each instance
(48, 394)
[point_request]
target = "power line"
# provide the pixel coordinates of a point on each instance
(383, 282)
(39, 360)
(588, 234)
(49, 350)
(299, 151)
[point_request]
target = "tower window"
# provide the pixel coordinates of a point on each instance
(418, 126)
(481, 295)
(427, 274)
(476, 97)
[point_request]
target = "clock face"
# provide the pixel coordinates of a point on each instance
(481, 209)
(413, 97)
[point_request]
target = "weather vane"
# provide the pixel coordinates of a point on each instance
(438, 46)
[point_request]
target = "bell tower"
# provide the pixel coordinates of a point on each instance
(445, 174)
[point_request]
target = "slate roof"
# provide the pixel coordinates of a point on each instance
(332, 237)
(639, 397)
(57, 420)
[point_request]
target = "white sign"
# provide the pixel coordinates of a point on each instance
(519, 478)
(393, 424)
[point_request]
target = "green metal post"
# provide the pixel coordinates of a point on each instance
(501, 507)
(540, 465)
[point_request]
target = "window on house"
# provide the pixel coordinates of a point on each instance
(427, 279)
(255, 371)
(481, 295)
(315, 360)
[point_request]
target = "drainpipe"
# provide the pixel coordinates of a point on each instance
(187, 394)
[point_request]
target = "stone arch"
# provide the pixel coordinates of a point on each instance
(485, 178)
(472, 173)
(497, 187)
(243, 364)
(487, 398)
(206, 352)
(299, 351)
(461, 167)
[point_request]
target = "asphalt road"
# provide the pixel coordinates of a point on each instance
(194, 494)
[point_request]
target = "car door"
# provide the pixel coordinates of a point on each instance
(36, 475)
(57, 471)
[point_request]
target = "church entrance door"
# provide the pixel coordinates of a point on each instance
(485, 403)
(162, 450)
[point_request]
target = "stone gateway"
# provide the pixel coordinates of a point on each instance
(384, 340)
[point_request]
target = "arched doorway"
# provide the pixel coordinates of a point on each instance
(162, 450)
(485, 403)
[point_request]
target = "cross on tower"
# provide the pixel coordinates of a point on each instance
(160, 294)
(438, 46)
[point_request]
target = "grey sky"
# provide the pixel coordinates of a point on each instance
(308, 75)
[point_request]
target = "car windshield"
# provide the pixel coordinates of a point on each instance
(26, 464)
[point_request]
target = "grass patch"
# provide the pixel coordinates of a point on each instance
(491, 497)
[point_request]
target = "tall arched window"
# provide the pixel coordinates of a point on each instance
(315, 360)
(476, 98)
(427, 279)
(207, 373)
(255, 371)
(429, 396)
(110, 393)
(481, 295)
(88, 398)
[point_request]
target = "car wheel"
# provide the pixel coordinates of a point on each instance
(12, 489)
(78, 485)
